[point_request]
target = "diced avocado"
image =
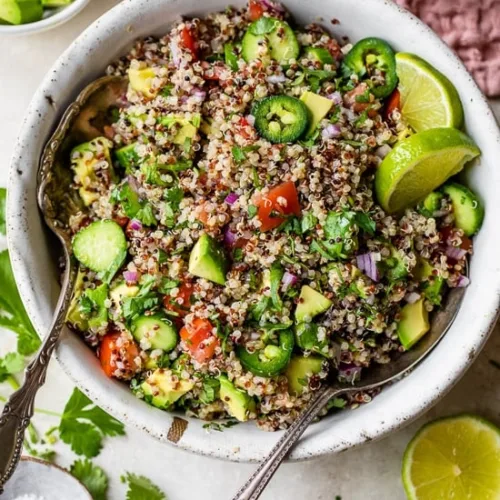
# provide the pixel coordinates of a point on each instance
(141, 81)
(413, 323)
(395, 267)
(237, 402)
(95, 300)
(188, 129)
(163, 388)
(127, 156)
(207, 260)
(74, 316)
(300, 370)
(318, 106)
(83, 160)
(157, 329)
(433, 286)
(206, 126)
(306, 336)
(431, 204)
(20, 12)
(319, 54)
(311, 303)
(467, 208)
(120, 292)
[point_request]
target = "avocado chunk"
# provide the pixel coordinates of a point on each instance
(20, 12)
(127, 157)
(467, 208)
(207, 260)
(395, 267)
(187, 130)
(433, 286)
(318, 106)
(299, 370)
(237, 402)
(413, 323)
(163, 388)
(141, 80)
(74, 316)
(84, 159)
(311, 303)
(120, 292)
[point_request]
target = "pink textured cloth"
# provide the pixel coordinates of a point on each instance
(472, 29)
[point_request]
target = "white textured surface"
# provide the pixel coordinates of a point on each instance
(371, 472)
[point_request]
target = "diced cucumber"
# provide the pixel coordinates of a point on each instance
(101, 247)
(467, 208)
(20, 11)
(127, 157)
(158, 329)
(319, 54)
(270, 38)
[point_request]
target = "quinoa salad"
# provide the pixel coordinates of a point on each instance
(233, 249)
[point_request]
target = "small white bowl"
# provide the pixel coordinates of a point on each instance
(42, 479)
(51, 19)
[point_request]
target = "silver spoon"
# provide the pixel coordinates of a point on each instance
(375, 377)
(82, 121)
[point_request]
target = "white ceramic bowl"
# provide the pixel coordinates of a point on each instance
(51, 19)
(37, 274)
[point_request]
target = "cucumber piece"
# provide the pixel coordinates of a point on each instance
(281, 118)
(101, 247)
(127, 157)
(269, 38)
(158, 329)
(467, 208)
(20, 11)
(431, 204)
(319, 54)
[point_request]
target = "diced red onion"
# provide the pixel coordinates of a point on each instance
(336, 97)
(276, 7)
(349, 372)
(231, 198)
(135, 225)
(250, 119)
(330, 131)
(131, 276)
(412, 297)
(289, 280)
(351, 115)
(455, 253)
(199, 93)
(367, 262)
(463, 281)
(230, 238)
(383, 151)
(276, 78)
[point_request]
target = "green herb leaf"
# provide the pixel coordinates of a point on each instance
(83, 425)
(258, 309)
(364, 97)
(128, 199)
(141, 488)
(238, 154)
(167, 90)
(92, 477)
(238, 254)
(308, 222)
(93, 305)
(276, 276)
(13, 316)
(263, 26)
(3, 197)
(252, 211)
(146, 215)
(209, 391)
(11, 364)
(366, 223)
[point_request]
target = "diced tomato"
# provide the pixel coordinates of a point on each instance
(189, 42)
(110, 354)
(350, 98)
(255, 10)
(243, 124)
(182, 302)
(200, 339)
(282, 199)
(393, 103)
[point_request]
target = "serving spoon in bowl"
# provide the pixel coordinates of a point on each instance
(83, 121)
(375, 377)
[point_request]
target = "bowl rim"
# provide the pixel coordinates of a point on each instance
(64, 15)
(428, 396)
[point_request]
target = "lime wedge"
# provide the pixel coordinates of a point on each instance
(453, 458)
(428, 98)
(418, 165)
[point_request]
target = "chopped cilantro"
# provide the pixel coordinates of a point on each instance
(276, 275)
(92, 477)
(308, 222)
(238, 254)
(238, 154)
(209, 391)
(141, 488)
(252, 211)
(146, 215)
(366, 223)
(166, 91)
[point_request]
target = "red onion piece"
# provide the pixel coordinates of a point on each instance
(336, 97)
(131, 276)
(199, 93)
(349, 372)
(276, 78)
(135, 225)
(367, 262)
(412, 297)
(455, 253)
(231, 198)
(289, 280)
(276, 7)
(250, 119)
(230, 238)
(463, 281)
(330, 131)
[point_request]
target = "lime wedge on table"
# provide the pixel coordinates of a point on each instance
(418, 165)
(428, 98)
(455, 458)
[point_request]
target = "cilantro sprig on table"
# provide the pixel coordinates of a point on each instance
(141, 488)
(92, 477)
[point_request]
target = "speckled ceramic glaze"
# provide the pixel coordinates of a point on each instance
(36, 271)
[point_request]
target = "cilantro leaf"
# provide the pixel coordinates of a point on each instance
(92, 477)
(366, 223)
(276, 276)
(141, 488)
(238, 154)
(146, 215)
(13, 316)
(145, 300)
(252, 211)
(209, 391)
(263, 26)
(308, 222)
(83, 425)
(11, 364)
(3, 197)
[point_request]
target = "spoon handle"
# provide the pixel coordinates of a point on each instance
(19, 408)
(256, 484)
